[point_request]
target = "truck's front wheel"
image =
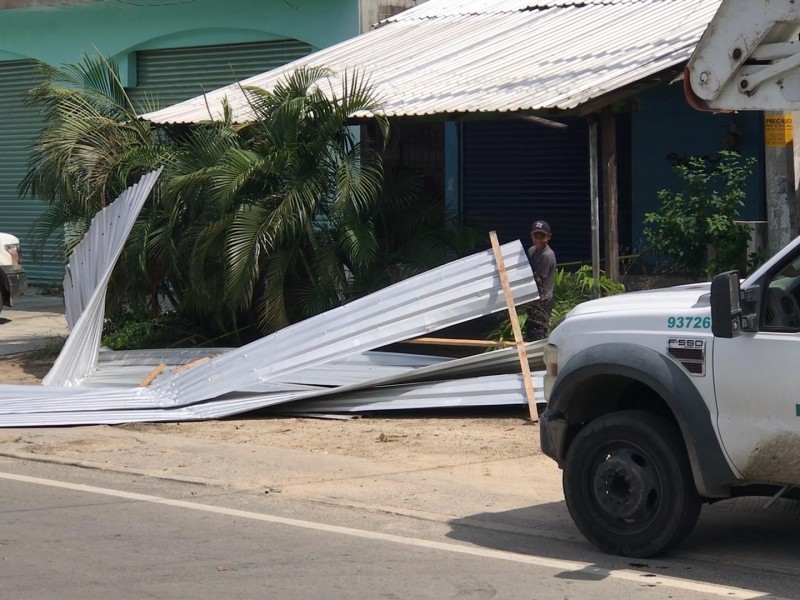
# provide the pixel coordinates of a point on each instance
(628, 484)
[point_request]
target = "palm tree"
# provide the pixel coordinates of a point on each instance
(288, 200)
(91, 148)
(253, 226)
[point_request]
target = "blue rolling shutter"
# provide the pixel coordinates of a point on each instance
(515, 171)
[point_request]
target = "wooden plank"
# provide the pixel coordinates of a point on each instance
(155, 373)
(460, 342)
(194, 363)
(512, 314)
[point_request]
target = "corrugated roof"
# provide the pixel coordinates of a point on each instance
(457, 56)
(429, 10)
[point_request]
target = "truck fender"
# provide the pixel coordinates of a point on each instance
(713, 474)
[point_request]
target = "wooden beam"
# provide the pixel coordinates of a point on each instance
(460, 342)
(194, 363)
(153, 374)
(594, 195)
(512, 314)
(542, 121)
(608, 135)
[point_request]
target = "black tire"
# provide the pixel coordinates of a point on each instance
(628, 484)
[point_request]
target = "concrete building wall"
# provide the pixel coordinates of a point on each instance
(64, 32)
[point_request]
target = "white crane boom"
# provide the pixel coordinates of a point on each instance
(748, 58)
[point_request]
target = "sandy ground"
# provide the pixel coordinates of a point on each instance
(413, 440)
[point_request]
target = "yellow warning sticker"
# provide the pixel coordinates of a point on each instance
(778, 130)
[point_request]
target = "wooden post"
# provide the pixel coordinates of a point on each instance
(512, 314)
(610, 202)
(594, 196)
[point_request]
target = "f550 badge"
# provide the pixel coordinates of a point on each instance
(690, 353)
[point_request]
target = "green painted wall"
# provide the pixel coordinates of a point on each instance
(64, 33)
(61, 34)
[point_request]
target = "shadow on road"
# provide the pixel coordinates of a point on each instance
(736, 543)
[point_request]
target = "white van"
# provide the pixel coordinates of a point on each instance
(13, 280)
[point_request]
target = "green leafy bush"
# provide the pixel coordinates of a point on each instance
(134, 331)
(570, 289)
(696, 227)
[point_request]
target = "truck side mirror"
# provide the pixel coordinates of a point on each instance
(726, 308)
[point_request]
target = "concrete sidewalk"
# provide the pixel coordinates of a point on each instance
(35, 321)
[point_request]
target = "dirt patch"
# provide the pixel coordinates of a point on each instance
(421, 439)
(27, 370)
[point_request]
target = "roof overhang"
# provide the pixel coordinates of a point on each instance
(492, 58)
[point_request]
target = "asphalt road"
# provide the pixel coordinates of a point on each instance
(137, 532)
(74, 533)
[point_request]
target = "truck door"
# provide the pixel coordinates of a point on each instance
(757, 384)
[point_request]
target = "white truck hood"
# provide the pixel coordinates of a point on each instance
(695, 295)
(7, 238)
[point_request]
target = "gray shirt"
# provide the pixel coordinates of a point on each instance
(543, 263)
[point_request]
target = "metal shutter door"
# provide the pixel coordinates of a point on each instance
(19, 127)
(515, 171)
(166, 77)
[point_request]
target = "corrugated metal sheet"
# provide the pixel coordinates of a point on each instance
(125, 369)
(87, 275)
(453, 293)
(504, 390)
(461, 290)
(430, 10)
(495, 390)
(449, 56)
(323, 355)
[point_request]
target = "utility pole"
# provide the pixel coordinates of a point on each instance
(780, 178)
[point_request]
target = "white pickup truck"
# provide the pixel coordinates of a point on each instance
(13, 280)
(660, 401)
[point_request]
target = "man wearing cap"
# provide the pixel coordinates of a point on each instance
(543, 263)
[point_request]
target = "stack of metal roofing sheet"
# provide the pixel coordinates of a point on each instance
(489, 390)
(331, 354)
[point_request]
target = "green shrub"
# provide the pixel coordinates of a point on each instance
(695, 227)
(570, 289)
(133, 331)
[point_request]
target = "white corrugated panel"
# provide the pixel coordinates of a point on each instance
(499, 390)
(87, 276)
(127, 368)
(453, 293)
(270, 371)
(433, 10)
(450, 56)
(495, 390)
